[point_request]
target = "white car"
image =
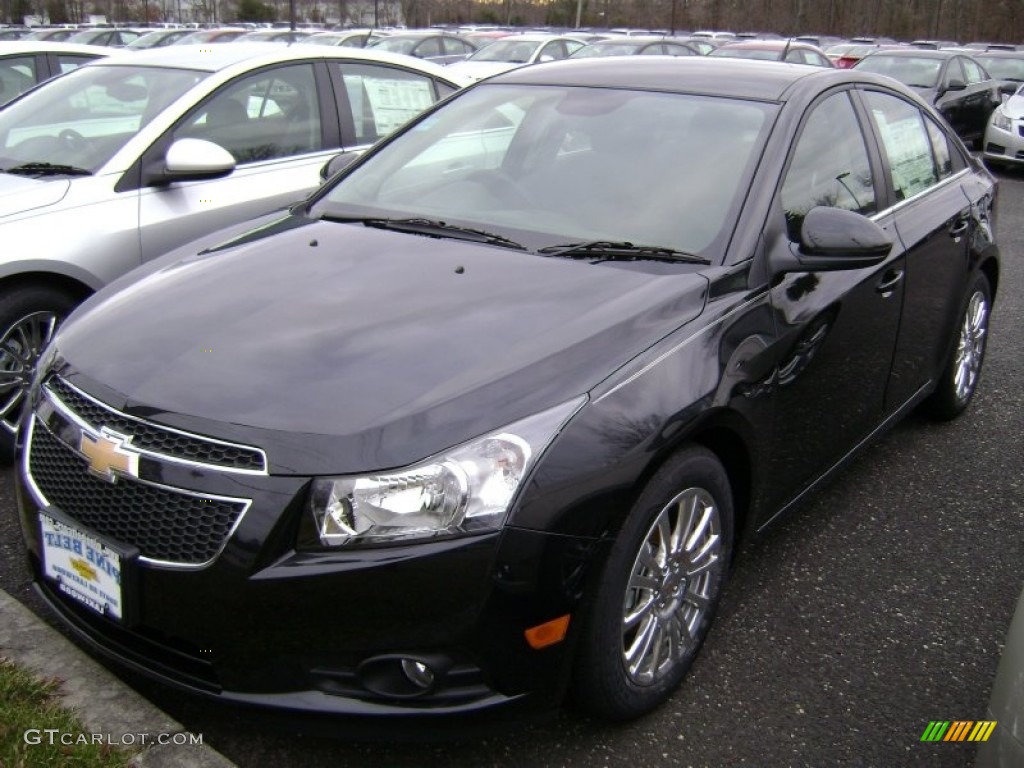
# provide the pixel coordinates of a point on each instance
(24, 64)
(516, 51)
(1004, 135)
(125, 159)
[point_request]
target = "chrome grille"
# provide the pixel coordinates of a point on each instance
(165, 524)
(154, 438)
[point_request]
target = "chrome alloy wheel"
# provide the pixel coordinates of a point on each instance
(970, 347)
(669, 592)
(20, 348)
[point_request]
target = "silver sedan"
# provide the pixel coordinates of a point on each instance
(125, 159)
(1004, 136)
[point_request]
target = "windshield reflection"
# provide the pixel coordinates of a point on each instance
(544, 165)
(82, 119)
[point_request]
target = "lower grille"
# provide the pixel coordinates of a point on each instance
(165, 524)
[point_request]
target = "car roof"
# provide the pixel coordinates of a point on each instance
(736, 78)
(22, 47)
(537, 37)
(918, 53)
(416, 34)
(996, 54)
(772, 45)
(218, 58)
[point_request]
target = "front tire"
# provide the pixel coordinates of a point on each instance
(959, 378)
(659, 589)
(29, 316)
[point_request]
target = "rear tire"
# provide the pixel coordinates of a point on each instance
(959, 378)
(29, 316)
(658, 590)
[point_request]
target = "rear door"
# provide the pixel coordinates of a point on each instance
(924, 171)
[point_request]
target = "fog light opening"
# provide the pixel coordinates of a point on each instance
(418, 673)
(397, 676)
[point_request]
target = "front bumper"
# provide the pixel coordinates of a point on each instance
(1005, 146)
(324, 632)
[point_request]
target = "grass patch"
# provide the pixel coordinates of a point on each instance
(30, 704)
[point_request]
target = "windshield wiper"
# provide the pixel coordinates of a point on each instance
(606, 250)
(47, 169)
(434, 228)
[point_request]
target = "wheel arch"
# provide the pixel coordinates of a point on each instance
(77, 288)
(990, 269)
(727, 435)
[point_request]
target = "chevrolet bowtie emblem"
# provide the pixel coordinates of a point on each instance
(109, 455)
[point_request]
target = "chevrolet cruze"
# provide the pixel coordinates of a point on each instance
(483, 422)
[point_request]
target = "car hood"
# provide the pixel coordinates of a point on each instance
(19, 194)
(394, 346)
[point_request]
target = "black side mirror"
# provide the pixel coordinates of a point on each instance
(1008, 87)
(337, 163)
(834, 239)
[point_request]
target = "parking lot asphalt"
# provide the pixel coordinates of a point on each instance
(877, 607)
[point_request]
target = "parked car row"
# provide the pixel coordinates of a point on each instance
(139, 153)
(25, 64)
(483, 422)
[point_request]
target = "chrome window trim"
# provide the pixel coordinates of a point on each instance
(92, 429)
(44, 505)
(910, 200)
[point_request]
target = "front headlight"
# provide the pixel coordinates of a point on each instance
(1001, 121)
(467, 489)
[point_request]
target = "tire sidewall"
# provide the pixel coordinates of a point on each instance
(944, 403)
(603, 685)
(16, 303)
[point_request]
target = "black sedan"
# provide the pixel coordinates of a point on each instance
(485, 420)
(959, 87)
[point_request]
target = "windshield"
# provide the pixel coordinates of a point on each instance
(550, 165)
(511, 51)
(1003, 68)
(746, 53)
(616, 48)
(83, 118)
(396, 44)
(917, 73)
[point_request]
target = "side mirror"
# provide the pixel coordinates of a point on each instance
(834, 239)
(337, 163)
(1008, 87)
(191, 160)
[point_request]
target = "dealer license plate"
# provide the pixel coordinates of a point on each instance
(85, 569)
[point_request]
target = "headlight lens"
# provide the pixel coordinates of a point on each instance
(465, 490)
(1001, 121)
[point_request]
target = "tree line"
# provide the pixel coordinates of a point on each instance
(954, 20)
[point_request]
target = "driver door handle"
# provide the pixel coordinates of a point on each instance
(889, 281)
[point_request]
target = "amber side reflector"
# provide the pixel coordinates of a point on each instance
(548, 633)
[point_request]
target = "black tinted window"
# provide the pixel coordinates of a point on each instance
(906, 143)
(830, 165)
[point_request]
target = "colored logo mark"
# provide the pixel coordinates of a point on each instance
(958, 730)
